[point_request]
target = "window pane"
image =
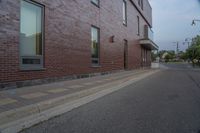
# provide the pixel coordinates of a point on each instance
(138, 2)
(124, 13)
(123, 10)
(96, 2)
(142, 4)
(30, 29)
(31, 61)
(95, 61)
(95, 42)
(138, 25)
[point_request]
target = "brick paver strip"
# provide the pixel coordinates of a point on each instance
(88, 83)
(75, 86)
(7, 101)
(99, 81)
(34, 92)
(57, 90)
(108, 79)
(33, 95)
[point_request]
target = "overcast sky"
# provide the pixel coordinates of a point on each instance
(172, 21)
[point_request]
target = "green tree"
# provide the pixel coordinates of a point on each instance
(183, 56)
(193, 52)
(172, 54)
(168, 57)
(160, 53)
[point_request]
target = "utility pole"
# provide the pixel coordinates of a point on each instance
(177, 47)
(188, 41)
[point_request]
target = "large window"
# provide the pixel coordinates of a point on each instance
(138, 25)
(142, 4)
(124, 13)
(31, 35)
(95, 45)
(139, 2)
(95, 2)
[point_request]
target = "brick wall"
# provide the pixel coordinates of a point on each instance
(67, 38)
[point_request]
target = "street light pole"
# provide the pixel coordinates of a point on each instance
(193, 50)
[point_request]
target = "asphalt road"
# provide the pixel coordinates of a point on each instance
(166, 102)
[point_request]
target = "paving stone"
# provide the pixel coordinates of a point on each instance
(88, 83)
(75, 86)
(108, 79)
(7, 101)
(99, 81)
(33, 95)
(59, 90)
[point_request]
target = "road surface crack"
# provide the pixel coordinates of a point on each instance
(196, 83)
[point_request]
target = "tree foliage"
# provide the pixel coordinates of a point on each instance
(171, 53)
(193, 52)
(168, 57)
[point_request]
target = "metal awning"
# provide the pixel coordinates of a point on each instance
(147, 43)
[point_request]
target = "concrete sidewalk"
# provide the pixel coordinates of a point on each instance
(23, 107)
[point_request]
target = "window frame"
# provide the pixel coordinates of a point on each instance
(98, 44)
(40, 57)
(138, 25)
(142, 4)
(139, 2)
(97, 5)
(124, 10)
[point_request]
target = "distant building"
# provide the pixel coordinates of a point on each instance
(43, 40)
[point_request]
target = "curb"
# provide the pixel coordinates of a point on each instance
(25, 117)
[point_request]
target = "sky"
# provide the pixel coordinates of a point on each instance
(172, 21)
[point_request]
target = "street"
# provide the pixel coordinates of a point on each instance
(166, 102)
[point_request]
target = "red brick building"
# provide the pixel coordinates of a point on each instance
(46, 40)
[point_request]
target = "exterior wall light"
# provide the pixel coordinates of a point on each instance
(112, 39)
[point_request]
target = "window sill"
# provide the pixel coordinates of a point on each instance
(32, 69)
(95, 4)
(95, 66)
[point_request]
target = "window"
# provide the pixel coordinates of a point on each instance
(95, 2)
(138, 25)
(124, 13)
(142, 4)
(95, 45)
(31, 35)
(139, 2)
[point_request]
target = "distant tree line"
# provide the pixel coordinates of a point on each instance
(192, 54)
(164, 55)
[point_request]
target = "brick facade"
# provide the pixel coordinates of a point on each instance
(67, 47)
